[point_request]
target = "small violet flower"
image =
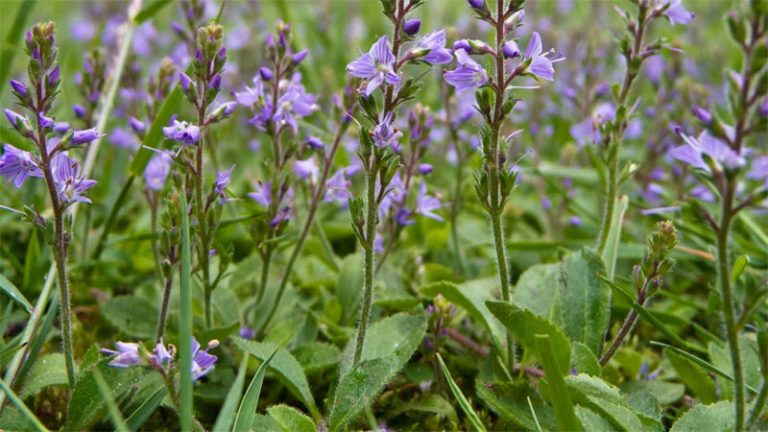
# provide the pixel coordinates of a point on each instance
(426, 204)
(182, 132)
(263, 194)
(66, 177)
(435, 43)
(541, 65)
(337, 188)
(306, 169)
(376, 66)
(384, 134)
(158, 168)
(16, 165)
(468, 75)
(127, 354)
(706, 146)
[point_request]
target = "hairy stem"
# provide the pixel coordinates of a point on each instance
(167, 286)
(370, 235)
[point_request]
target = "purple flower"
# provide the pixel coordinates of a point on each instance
(384, 134)
(123, 139)
(337, 188)
(223, 178)
(161, 357)
(137, 125)
(283, 214)
(246, 332)
(477, 4)
(306, 169)
(66, 177)
(468, 75)
(215, 82)
(677, 13)
(403, 217)
(759, 170)
(251, 95)
(462, 44)
(16, 165)
(127, 354)
(45, 122)
(695, 149)
(299, 57)
(541, 65)
(182, 132)
(265, 73)
(294, 104)
(425, 168)
(61, 127)
(158, 168)
(703, 115)
(378, 244)
(412, 26)
(17, 120)
(435, 43)
(315, 143)
(575, 221)
(85, 136)
(376, 66)
(19, 87)
(185, 81)
(202, 361)
(511, 50)
(79, 111)
(263, 194)
(426, 204)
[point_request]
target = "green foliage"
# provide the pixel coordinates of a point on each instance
(247, 409)
(718, 416)
(462, 400)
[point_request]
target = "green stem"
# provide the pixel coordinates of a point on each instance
(185, 322)
(728, 303)
(60, 254)
(113, 212)
(265, 264)
(167, 286)
(370, 235)
(609, 204)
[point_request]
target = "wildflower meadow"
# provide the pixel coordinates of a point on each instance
(384, 215)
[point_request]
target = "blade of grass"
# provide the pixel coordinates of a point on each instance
(185, 321)
(106, 393)
(701, 362)
(463, 402)
(533, 414)
(611, 251)
(155, 133)
(247, 410)
(150, 11)
(229, 408)
(146, 409)
(22, 408)
(33, 322)
(14, 293)
(14, 36)
(560, 398)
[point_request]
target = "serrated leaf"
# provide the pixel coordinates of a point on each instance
(509, 401)
(396, 338)
(585, 300)
(47, 371)
(593, 421)
(471, 297)
(583, 360)
(134, 316)
(536, 290)
(317, 356)
(715, 417)
(290, 419)
(285, 367)
(398, 335)
(524, 326)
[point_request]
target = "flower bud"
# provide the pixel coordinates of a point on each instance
(79, 111)
(703, 115)
(265, 73)
(425, 168)
(462, 44)
(477, 4)
(84, 136)
(299, 57)
(19, 87)
(511, 50)
(412, 26)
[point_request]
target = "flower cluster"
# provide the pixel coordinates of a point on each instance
(161, 358)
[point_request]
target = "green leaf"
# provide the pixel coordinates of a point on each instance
(146, 409)
(114, 412)
(317, 356)
(463, 402)
(134, 316)
(584, 360)
(524, 325)
(611, 250)
(715, 417)
(396, 338)
(536, 290)
(149, 11)
(290, 419)
(509, 401)
(585, 300)
(86, 406)
(228, 410)
(47, 371)
(604, 399)
(25, 412)
(247, 410)
(471, 297)
(14, 293)
(694, 377)
(593, 421)
(398, 335)
(285, 367)
(154, 135)
(559, 396)
(348, 286)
